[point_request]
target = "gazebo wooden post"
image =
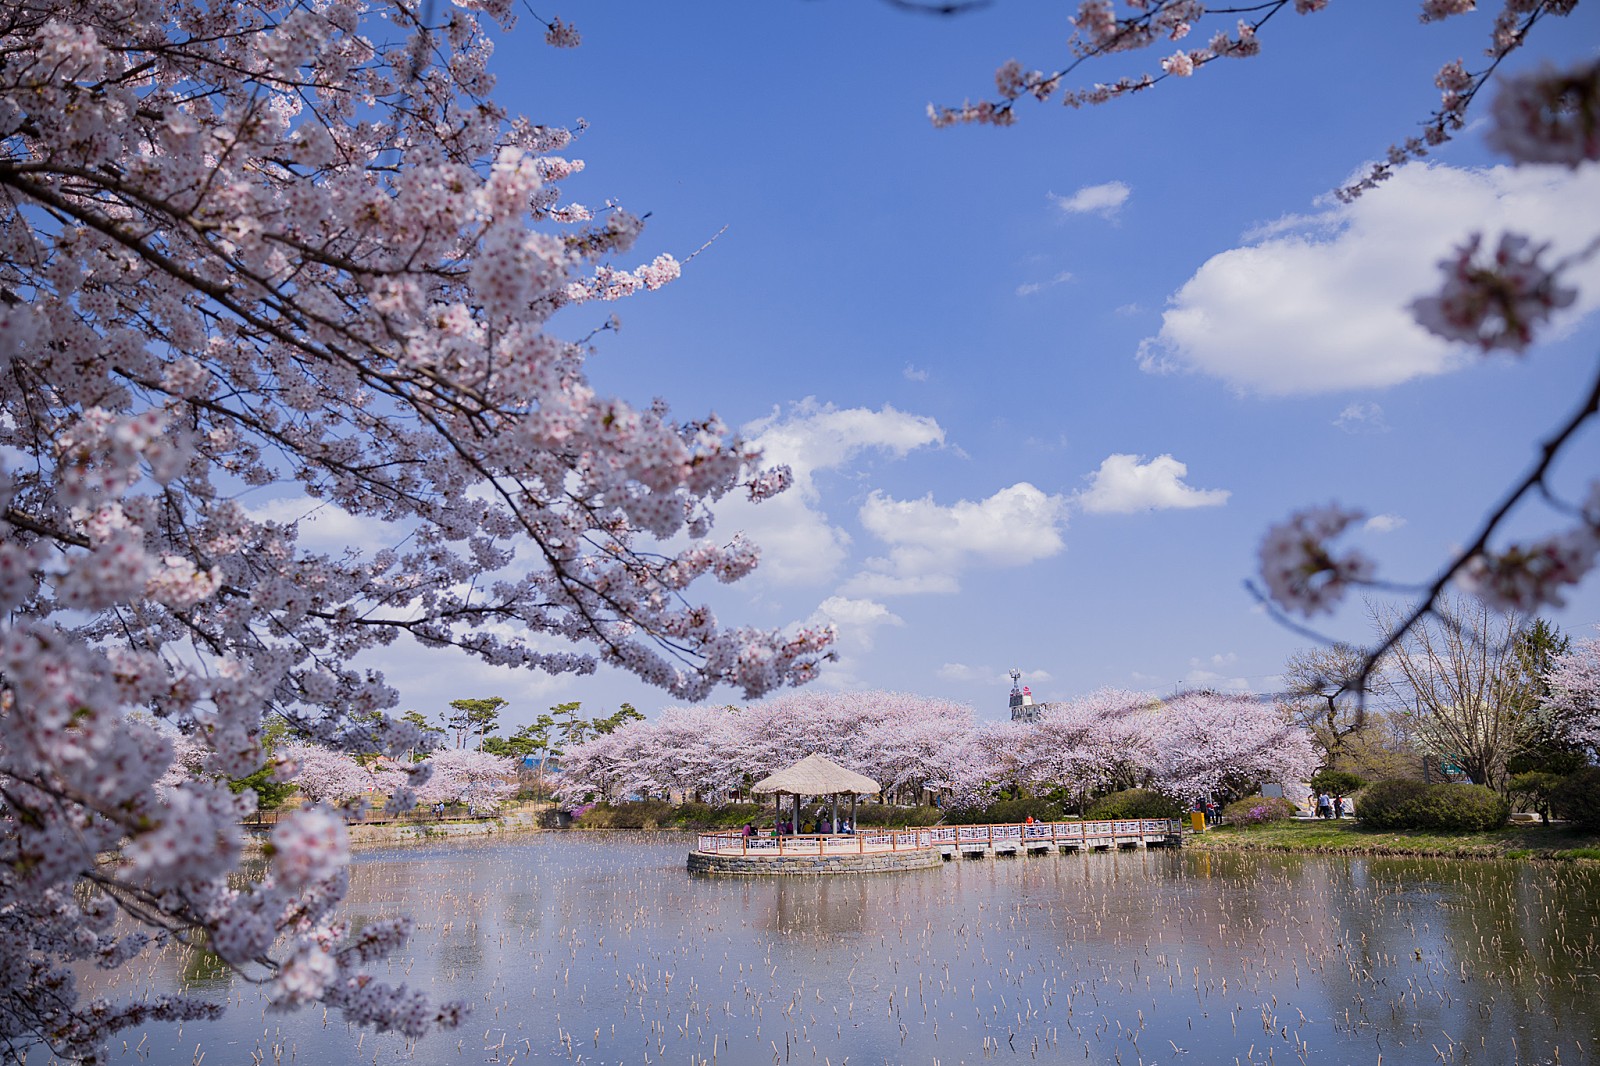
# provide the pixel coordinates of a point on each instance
(816, 776)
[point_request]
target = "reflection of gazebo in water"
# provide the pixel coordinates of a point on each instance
(817, 776)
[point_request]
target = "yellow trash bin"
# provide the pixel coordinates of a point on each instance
(1198, 820)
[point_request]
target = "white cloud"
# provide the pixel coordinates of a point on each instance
(1362, 418)
(914, 373)
(1319, 303)
(858, 622)
(863, 615)
(1104, 200)
(798, 543)
(1124, 484)
(988, 675)
(1030, 288)
(930, 544)
(1210, 679)
(1383, 523)
(1219, 660)
(325, 528)
(427, 679)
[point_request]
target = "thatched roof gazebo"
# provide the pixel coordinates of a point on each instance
(816, 775)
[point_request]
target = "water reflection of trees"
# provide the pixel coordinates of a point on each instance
(825, 906)
(1486, 951)
(1200, 949)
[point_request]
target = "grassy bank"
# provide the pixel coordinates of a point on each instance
(1347, 837)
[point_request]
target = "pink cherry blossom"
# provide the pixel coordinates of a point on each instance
(264, 255)
(1574, 692)
(1496, 303)
(1549, 116)
(1300, 571)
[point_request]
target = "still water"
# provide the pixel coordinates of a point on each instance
(600, 949)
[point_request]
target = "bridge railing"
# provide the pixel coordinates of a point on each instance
(1099, 833)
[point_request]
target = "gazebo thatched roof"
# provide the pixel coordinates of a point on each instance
(817, 776)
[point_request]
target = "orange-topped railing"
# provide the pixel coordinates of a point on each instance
(960, 837)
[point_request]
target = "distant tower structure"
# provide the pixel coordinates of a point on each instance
(1023, 709)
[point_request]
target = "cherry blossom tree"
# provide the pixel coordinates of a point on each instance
(1215, 745)
(469, 776)
(293, 251)
(1096, 744)
(1496, 293)
(902, 741)
(1574, 699)
(334, 777)
(607, 766)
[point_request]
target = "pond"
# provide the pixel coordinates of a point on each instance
(599, 948)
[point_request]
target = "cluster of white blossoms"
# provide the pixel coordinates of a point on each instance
(297, 248)
(1573, 683)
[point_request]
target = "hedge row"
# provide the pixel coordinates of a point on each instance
(1403, 804)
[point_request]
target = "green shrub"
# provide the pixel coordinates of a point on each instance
(1133, 803)
(1461, 806)
(1336, 782)
(1257, 810)
(1536, 789)
(1413, 805)
(882, 814)
(1577, 798)
(641, 814)
(1387, 804)
(724, 816)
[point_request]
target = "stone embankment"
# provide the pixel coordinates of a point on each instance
(525, 821)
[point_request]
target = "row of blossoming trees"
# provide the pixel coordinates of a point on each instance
(336, 778)
(1190, 746)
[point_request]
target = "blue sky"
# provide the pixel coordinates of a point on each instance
(1045, 387)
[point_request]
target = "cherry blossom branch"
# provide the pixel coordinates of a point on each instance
(1549, 449)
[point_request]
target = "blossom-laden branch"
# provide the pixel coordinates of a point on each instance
(1100, 31)
(1492, 304)
(296, 250)
(1497, 302)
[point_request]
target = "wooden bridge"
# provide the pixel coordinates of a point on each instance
(950, 841)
